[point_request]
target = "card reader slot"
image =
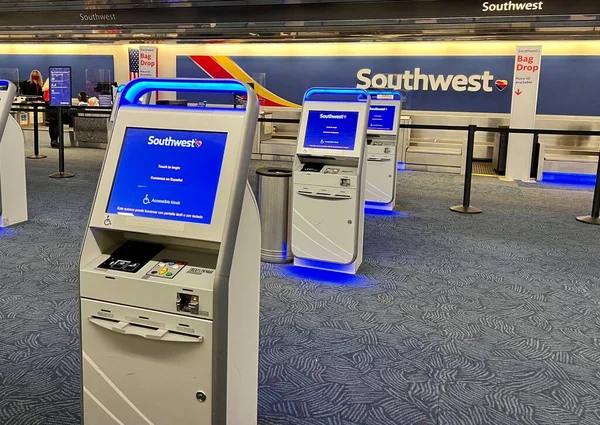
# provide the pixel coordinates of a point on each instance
(378, 159)
(143, 331)
(324, 196)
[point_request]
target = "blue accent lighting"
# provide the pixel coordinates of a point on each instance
(137, 88)
(569, 179)
(323, 272)
(362, 95)
(401, 166)
(372, 210)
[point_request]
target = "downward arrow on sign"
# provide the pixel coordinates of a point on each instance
(518, 92)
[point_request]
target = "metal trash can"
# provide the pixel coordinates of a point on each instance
(274, 201)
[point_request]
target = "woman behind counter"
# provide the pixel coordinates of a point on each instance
(33, 86)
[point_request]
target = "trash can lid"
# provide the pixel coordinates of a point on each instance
(274, 172)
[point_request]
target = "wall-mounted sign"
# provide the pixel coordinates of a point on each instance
(417, 80)
(60, 86)
(148, 61)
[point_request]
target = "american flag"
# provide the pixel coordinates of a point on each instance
(134, 63)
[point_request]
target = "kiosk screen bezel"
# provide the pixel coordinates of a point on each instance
(334, 107)
(397, 113)
(228, 121)
(179, 134)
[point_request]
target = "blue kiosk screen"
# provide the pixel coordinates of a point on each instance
(168, 174)
(382, 118)
(331, 130)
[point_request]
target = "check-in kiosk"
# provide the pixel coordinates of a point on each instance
(13, 188)
(170, 265)
(329, 180)
(382, 143)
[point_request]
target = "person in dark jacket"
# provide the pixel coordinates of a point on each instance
(33, 86)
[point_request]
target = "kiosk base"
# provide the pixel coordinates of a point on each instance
(378, 206)
(351, 268)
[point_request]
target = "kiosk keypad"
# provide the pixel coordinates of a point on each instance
(167, 269)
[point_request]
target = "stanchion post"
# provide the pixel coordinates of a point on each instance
(36, 136)
(466, 207)
(535, 156)
(595, 217)
(61, 149)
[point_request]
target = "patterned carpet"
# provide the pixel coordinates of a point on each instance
(454, 320)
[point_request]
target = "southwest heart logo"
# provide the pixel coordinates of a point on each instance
(198, 143)
(501, 84)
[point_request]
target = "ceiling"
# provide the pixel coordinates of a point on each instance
(262, 20)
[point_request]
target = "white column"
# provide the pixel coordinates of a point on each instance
(523, 110)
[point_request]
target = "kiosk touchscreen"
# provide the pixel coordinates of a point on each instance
(170, 265)
(382, 141)
(328, 180)
(13, 190)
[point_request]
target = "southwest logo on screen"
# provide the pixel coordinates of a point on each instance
(333, 116)
(169, 141)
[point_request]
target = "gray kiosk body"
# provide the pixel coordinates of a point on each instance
(170, 265)
(13, 188)
(329, 180)
(382, 144)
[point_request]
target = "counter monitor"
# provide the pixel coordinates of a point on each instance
(168, 174)
(381, 117)
(331, 130)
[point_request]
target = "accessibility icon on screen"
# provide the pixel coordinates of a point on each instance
(146, 200)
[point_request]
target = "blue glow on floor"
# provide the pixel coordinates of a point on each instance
(401, 166)
(6, 231)
(569, 179)
(324, 272)
(386, 213)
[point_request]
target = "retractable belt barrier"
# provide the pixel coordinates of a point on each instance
(37, 107)
(466, 207)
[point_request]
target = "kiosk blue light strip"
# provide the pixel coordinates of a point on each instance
(362, 95)
(137, 88)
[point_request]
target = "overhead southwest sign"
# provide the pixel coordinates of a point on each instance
(512, 6)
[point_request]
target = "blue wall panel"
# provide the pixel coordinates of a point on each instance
(78, 64)
(568, 84)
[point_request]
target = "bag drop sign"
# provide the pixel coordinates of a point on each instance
(148, 61)
(527, 63)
